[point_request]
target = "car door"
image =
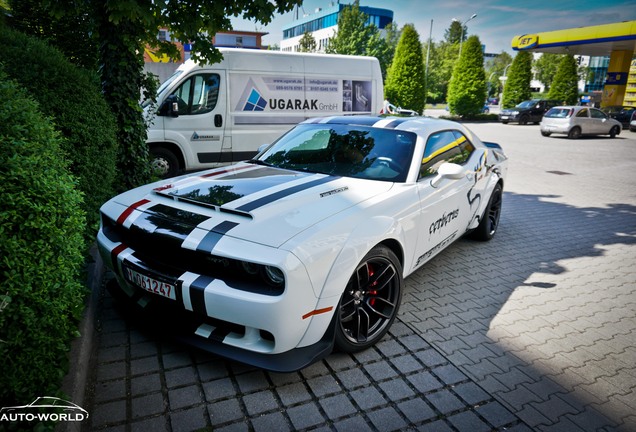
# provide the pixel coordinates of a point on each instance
(582, 119)
(200, 123)
(599, 121)
(445, 209)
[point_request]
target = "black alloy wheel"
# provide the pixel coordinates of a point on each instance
(614, 131)
(489, 223)
(370, 302)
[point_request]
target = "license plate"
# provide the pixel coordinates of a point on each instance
(504, 117)
(150, 284)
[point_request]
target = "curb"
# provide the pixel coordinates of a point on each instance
(81, 353)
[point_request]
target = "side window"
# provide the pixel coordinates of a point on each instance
(598, 114)
(198, 95)
(445, 146)
(583, 113)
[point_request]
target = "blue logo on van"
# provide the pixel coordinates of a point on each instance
(255, 102)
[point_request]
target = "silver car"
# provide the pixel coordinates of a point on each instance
(575, 121)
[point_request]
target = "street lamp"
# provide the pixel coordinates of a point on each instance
(461, 35)
(503, 81)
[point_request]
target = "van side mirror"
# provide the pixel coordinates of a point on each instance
(170, 107)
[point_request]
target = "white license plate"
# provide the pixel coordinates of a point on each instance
(504, 117)
(150, 284)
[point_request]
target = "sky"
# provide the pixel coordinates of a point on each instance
(496, 23)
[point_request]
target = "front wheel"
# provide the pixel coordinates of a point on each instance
(489, 223)
(614, 131)
(546, 134)
(163, 162)
(370, 302)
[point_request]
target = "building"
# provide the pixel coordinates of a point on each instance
(323, 24)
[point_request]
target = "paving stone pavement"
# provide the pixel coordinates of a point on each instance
(535, 330)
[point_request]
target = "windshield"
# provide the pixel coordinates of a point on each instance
(526, 104)
(344, 150)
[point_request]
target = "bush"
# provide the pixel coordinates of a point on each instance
(41, 251)
(71, 96)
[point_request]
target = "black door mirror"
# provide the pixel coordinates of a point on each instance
(170, 106)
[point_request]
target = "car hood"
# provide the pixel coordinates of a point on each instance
(256, 203)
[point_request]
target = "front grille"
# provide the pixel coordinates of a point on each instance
(162, 250)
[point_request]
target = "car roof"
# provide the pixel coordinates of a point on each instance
(422, 126)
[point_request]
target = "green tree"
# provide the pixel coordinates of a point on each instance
(565, 85)
(307, 43)
(441, 62)
(517, 86)
(455, 32)
(467, 88)
(405, 79)
(125, 27)
(545, 68)
(494, 70)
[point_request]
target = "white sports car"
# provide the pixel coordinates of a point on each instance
(275, 260)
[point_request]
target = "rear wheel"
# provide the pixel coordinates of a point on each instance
(489, 223)
(614, 131)
(523, 120)
(370, 302)
(574, 133)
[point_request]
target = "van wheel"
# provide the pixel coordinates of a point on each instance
(614, 131)
(574, 133)
(163, 162)
(370, 301)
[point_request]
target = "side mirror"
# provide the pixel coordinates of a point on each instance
(449, 171)
(170, 107)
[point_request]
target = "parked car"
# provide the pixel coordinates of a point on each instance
(276, 260)
(530, 111)
(632, 123)
(575, 121)
(621, 113)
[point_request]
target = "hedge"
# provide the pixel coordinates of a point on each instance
(41, 251)
(72, 97)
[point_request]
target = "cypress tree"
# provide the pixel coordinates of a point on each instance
(517, 87)
(467, 88)
(405, 80)
(565, 84)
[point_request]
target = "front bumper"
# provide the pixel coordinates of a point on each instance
(276, 332)
(508, 117)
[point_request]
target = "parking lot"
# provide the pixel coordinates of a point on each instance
(535, 330)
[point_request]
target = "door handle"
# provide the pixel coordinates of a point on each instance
(218, 120)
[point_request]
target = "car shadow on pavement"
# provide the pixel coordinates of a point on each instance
(543, 316)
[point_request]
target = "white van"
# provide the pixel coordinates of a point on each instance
(215, 114)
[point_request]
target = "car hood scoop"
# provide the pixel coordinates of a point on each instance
(269, 205)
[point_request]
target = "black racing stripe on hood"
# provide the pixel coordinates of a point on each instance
(283, 193)
(212, 238)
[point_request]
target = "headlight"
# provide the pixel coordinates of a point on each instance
(250, 268)
(274, 276)
(514, 112)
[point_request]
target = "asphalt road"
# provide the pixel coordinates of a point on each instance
(535, 330)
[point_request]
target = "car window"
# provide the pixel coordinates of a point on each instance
(559, 113)
(444, 146)
(598, 114)
(583, 113)
(198, 94)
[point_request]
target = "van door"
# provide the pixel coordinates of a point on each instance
(200, 124)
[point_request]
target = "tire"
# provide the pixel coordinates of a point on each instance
(489, 223)
(575, 133)
(370, 302)
(505, 121)
(523, 120)
(164, 162)
(546, 134)
(614, 131)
